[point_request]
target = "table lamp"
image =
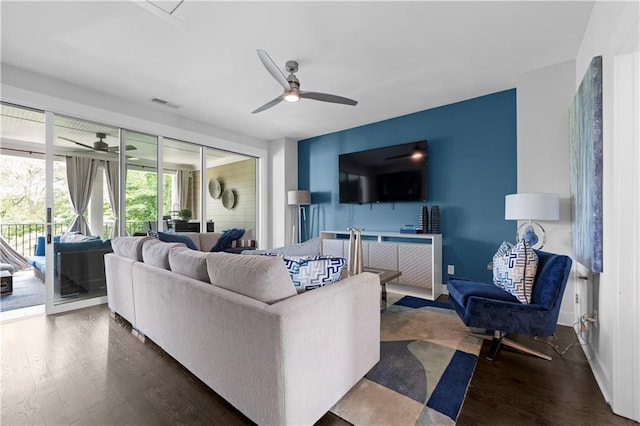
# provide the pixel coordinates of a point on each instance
(532, 207)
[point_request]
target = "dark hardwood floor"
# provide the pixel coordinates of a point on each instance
(526, 390)
(86, 368)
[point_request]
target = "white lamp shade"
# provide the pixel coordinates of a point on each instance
(532, 206)
(297, 198)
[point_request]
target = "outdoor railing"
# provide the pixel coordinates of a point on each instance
(23, 237)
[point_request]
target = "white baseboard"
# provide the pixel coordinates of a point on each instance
(598, 372)
(566, 318)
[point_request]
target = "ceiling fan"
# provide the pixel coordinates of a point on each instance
(291, 85)
(99, 145)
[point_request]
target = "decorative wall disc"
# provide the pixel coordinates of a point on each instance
(215, 189)
(228, 198)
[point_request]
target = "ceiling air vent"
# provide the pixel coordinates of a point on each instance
(165, 103)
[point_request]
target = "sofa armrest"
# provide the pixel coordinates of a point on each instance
(330, 340)
(120, 286)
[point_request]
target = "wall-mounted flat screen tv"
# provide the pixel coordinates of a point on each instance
(389, 174)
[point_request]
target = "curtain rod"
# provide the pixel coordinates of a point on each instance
(30, 152)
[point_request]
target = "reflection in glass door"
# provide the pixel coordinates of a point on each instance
(141, 193)
(231, 200)
(86, 156)
(181, 162)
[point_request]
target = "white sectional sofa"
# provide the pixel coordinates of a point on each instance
(237, 323)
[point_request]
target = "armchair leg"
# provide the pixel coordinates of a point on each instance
(499, 339)
(494, 348)
(525, 349)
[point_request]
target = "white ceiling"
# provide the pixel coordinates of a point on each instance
(393, 57)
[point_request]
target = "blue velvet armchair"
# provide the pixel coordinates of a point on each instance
(484, 305)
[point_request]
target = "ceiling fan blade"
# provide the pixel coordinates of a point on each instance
(325, 97)
(269, 104)
(77, 143)
(398, 156)
(416, 154)
(273, 69)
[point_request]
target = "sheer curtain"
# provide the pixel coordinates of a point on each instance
(182, 188)
(112, 174)
(81, 173)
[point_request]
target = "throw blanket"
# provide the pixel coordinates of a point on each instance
(9, 255)
(226, 238)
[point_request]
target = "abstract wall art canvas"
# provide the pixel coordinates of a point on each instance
(585, 124)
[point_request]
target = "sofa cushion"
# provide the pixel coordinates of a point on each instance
(208, 240)
(130, 247)
(156, 252)
(264, 278)
(177, 238)
(40, 246)
(308, 248)
(309, 272)
(515, 271)
(96, 244)
(75, 237)
(190, 263)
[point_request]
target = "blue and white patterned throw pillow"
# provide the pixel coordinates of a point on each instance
(504, 248)
(514, 271)
(309, 272)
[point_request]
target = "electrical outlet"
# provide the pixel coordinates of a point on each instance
(451, 269)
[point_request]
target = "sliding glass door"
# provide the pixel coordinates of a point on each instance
(85, 168)
(79, 183)
(22, 210)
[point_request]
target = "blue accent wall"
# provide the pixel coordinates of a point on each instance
(471, 166)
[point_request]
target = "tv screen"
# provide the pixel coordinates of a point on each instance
(389, 174)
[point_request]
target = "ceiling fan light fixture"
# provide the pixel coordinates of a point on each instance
(292, 96)
(417, 154)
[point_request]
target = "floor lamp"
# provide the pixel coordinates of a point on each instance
(299, 199)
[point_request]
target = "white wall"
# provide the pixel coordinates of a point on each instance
(283, 155)
(543, 100)
(614, 346)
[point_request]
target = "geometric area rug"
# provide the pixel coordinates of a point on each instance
(427, 359)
